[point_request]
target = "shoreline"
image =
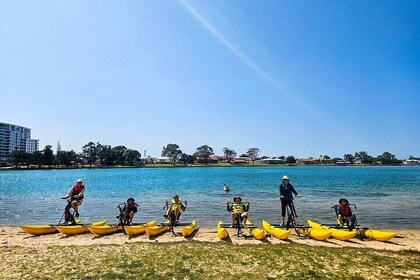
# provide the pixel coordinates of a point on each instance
(196, 166)
(15, 237)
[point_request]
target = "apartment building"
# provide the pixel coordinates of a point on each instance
(16, 138)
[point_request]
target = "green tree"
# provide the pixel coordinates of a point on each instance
(132, 157)
(172, 151)
(37, 158)
(364, 157)
(187, 159)
(229, 154)
(104, 154)
(20, 158)
(118, 154)
(349, 158)
(387, 158)
(204, 152)
(89, 153)
(48, 156)
(290, 160)
(66, 158)
(253, 154)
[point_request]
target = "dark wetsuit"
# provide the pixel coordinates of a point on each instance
(286, 191)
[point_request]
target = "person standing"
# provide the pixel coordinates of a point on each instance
(286, 195)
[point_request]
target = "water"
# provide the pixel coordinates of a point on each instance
(386, 197)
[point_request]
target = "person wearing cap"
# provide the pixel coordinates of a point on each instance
(76, 193)
(343, 211)
(286, 195)
(130, 208)
(176, 206)
(238, 208)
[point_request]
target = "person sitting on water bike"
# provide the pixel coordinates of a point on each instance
(238, 208)
(343, 211)
(176, 207)
(76, 193)
(129, 209)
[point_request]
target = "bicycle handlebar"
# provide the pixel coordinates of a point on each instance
(246, 202)
(350, 204)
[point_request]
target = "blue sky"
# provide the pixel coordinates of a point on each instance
(302, 78)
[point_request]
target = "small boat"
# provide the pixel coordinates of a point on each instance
(77, 229)
(38, 229)
(188, 230)
(276, 232)
(377, 235)
(340, 234)
(104, 230)
(256, 232)
(138, 229)
(222, 233)
(156, 230)
(318, 234)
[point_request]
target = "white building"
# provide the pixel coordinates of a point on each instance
(16, 138)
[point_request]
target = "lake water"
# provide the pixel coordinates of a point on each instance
(386, 197)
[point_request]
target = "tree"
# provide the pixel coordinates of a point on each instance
(20, 158)
(172, 151)
(387, 158)
(363, 157)
(290, 160)
(253, 154)
(229, 153)
(104, 154)
(204, 152)
(89, 153)
(37, 158)
(349, 158)
(132, 157)
(48, 156)
(187, 159)
(66, 158)
(118, 154)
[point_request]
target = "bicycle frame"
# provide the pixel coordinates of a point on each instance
(68, 215)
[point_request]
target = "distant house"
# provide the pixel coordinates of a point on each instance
(411, 162)
(163, 160)
(237, 161)
(215, 159)
(313, 160)
(273, 161)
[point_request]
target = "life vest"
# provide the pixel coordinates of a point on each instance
(345, 210)
(176, 204)
(238, 208)
(77, 189)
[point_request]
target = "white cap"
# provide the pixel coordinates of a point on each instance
(79, 181)
(285, 178)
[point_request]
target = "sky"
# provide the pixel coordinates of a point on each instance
(302, 78)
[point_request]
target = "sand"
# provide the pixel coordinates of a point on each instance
(14, 236)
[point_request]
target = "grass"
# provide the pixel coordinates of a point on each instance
(197, 260)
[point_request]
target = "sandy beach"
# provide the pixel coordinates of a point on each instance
(14, 236)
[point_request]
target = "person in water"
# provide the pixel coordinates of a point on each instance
(286, 195)
(176, 207)
(129, 209)
(226, 188)
(238, 208)
(76, 193)
(343, 211)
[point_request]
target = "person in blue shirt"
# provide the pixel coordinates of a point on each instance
(286, 195)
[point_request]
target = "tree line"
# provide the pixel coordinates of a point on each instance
(92, 153)
(105, 155)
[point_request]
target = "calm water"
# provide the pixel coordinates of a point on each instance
(386, 197)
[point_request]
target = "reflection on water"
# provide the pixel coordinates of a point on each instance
(386, 197)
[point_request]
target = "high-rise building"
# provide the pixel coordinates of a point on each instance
(16, 138)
